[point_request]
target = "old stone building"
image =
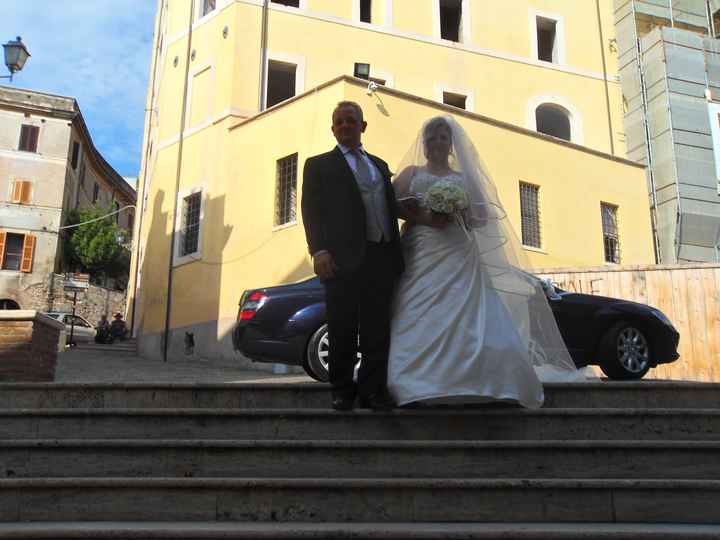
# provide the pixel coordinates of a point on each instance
(48, 167)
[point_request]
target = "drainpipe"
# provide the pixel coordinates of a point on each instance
(263, 54)
(168, 305)
(605, 75)
(139, 204)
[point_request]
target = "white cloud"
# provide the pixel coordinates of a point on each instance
(97, 51)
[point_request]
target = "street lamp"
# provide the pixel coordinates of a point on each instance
(16, 54)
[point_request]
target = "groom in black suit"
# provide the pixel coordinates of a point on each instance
(350, 219)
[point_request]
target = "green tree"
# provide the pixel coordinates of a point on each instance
(99, 247)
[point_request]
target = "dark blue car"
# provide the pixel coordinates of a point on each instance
(287, 325)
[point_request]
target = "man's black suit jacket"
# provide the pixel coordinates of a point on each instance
(334, 214)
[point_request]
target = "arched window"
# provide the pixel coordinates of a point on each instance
(554, 120)
(8, 304)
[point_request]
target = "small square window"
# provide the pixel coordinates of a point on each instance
(455, 100)
(286, 190)
(29, 138)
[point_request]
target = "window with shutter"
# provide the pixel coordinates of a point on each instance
(3, 236)
(27, 253)
(13, 248)
(22, 189)
(29, 138)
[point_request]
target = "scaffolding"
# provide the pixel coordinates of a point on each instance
(669, 71)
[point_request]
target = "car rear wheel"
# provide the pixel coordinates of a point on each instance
(626, 352)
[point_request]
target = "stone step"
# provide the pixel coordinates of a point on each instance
(351, 459)
(642, 394)
(118, 348)
(491, 424)
(123, 530)
(360, 500)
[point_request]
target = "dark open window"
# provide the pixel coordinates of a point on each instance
(450, 19)
(29, 138)
(96, 192)
(75, 154)
(281, 82)
(291, 3)
(456, 100)
(553, 120)
(546, 37)
(366, 11)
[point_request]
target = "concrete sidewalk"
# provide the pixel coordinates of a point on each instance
(97, 367)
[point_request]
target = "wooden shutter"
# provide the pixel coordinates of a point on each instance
(34, 132)
(26, 189)
(3, 235)
(27, 253)
(17, 191)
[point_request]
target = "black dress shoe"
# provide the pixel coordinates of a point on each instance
(381, 401)
(343, 402)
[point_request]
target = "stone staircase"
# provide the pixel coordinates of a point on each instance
(127, 347)
(600, 461)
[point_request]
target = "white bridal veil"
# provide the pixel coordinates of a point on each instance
(500, 252)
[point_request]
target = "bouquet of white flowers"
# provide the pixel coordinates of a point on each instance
(446, 198)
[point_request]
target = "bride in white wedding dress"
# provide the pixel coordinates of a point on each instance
(469, 325)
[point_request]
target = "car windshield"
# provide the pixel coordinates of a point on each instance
(54, 315)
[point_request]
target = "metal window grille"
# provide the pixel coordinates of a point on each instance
(611, 237)
(190, 225)
(530, 215)
(286, 190)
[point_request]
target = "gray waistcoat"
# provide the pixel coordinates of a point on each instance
(376, 211)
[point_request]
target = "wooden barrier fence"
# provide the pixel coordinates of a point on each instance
(688, 294)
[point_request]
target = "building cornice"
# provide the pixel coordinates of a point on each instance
(444, 108)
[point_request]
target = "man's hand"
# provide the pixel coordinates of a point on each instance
(324, 266)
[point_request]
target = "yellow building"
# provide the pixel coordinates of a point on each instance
(241, 94)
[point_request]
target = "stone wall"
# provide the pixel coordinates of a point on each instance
(49, 295)
(28, 346)
(92, 303)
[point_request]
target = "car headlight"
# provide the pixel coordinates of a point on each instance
(662, 317)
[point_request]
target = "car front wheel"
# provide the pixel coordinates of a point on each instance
(317, 355)
(626, 353)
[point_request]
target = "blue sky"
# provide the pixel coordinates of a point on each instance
(97, 51)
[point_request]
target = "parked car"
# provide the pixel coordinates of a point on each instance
(83, 330)
(287, 325)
